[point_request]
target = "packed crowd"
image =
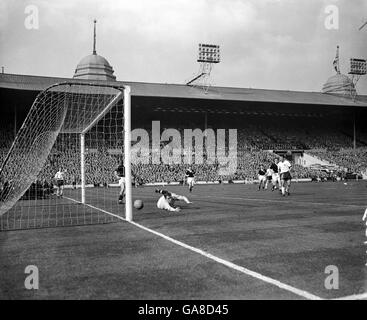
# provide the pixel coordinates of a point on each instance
(307, 136)
(350, 159)
(252, 140)
(100, 168)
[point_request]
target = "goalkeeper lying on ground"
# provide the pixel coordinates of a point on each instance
(168, 199)
(120, 175)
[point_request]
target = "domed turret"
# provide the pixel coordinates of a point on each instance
(339, 83)
(94, 66)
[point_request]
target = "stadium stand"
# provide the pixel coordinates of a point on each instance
(266, 120)
(253, 140)
(353, 160)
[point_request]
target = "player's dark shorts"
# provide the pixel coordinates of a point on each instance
(269, 178)
(60, 183)
(285, 176)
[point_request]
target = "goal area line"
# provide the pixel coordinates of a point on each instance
(231, 265)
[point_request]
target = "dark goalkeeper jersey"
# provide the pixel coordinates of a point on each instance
(274, 167)
(190, 173)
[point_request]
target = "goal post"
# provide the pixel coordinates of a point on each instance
(127, 152)
(68, 123)
(82, 166)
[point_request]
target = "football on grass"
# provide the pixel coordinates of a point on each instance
(138, 204)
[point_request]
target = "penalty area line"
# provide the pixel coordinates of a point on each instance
(219, 260)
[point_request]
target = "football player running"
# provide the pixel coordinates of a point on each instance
(285, 175)
(190, 175)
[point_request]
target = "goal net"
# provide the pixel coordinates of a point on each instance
(76, 129)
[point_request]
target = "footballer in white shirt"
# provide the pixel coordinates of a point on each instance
(284, 167)
(120, 175)
(59, 177)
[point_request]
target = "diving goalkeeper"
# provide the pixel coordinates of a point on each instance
(168, 199)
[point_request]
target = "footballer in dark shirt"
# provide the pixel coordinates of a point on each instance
(262, 177)
(190, 176)
(275, 177)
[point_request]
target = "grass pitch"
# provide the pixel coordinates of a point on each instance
(289, 240)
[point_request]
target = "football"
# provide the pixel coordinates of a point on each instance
(138, 204)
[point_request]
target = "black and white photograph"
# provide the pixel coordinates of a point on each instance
(183, 155)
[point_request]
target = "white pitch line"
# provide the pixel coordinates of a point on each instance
(226, 263)
(287, 201)
(231, 265)
(354, 297)
(99, 209)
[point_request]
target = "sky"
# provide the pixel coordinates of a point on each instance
(271, 44)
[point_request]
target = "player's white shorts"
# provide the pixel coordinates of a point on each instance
(276, 178)
(163, 204)
(122, 182)
(262, 178)
(190, 181)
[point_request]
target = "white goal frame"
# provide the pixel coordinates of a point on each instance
(127, 153)
(124, 93)
(127, 148)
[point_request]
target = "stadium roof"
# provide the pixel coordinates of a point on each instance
(141, 89)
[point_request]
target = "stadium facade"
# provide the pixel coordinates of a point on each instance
(175, 104)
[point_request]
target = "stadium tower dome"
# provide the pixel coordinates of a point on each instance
(339, 84)
(94, 66)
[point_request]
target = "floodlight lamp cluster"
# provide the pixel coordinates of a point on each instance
(209, 53)
(358, 66)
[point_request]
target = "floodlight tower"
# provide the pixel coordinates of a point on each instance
(358, 67)
(207, 56)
